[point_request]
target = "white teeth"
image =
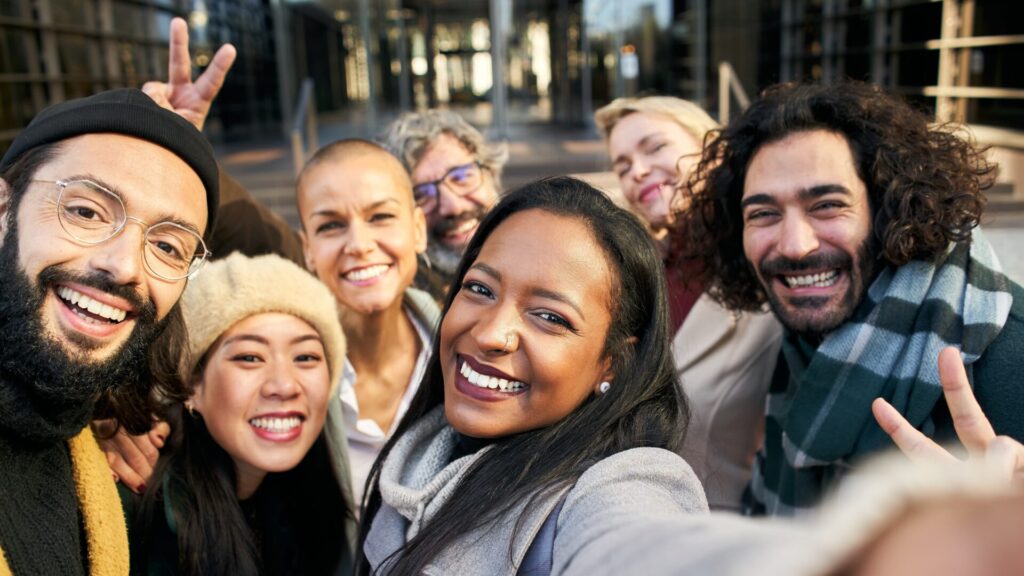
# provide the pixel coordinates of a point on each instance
(464, 227)
(367, 273)
(277, 424)
(820, 280)
(84, 302)
(483, 381)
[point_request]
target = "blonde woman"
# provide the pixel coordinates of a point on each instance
(724, 359)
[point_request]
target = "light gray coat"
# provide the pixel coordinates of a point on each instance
(638, 485)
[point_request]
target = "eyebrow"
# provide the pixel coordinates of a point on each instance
(804, 195)
(824, 190)
(558, 297)
(486, 270)
(262, 340)
(246, 338)
(640, 144)
(368, 208)
(165, 217)
(538, 292)
(448, 171)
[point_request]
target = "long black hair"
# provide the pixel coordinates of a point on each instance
(294, 524)
(644, 408)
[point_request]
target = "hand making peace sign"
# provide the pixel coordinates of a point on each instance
(190, 100)
(972, 427)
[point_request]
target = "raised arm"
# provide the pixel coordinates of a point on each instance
(190, 99)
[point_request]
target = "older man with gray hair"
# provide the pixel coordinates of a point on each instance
(456, 178)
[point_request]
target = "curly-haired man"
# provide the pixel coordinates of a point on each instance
(856, 220)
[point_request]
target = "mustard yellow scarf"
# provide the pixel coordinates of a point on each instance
(105, 531)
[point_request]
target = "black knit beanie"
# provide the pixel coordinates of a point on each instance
(125, 111)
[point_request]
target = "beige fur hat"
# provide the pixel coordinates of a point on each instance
(227, 291)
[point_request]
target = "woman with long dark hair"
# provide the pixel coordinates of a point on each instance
(250, 482)
(549, 414)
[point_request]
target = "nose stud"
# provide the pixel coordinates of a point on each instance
(508, 343)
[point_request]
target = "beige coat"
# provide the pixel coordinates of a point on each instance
(725, 362)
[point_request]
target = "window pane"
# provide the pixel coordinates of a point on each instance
(14, 46)
(77, 13)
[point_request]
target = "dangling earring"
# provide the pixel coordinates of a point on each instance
(605, 387)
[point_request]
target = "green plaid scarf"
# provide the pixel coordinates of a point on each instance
(819, 417)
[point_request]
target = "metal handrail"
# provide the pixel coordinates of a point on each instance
(305, 113)
(729, 83)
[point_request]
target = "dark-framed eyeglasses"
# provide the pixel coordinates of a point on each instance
(91, 214)
(459, 180)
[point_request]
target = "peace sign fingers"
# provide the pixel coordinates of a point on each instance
(972, 426)
(910, 441)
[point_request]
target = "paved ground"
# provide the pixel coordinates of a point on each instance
(265, 167)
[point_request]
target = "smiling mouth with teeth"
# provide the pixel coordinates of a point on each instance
(457, 232)
(89, 309)
(368, 273)
(819, 280)
(276, 425)
(483, 381)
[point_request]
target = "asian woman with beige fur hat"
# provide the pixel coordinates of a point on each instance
(251, 481)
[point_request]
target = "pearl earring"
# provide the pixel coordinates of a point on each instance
(605, 387)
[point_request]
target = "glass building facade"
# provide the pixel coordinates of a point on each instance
(557, 60)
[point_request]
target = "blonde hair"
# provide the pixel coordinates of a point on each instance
(688, 115)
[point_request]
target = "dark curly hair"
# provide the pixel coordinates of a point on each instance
(924, 182)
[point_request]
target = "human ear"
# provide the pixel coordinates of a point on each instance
(194, 403)
(5, 203)
(307, 253)
(608, 376)
(420, 222)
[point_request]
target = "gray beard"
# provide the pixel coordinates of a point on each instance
(444, 259)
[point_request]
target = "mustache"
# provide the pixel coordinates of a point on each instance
(449, 223)
(816, 261)
(52, 275)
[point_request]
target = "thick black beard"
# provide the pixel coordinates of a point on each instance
(860, 279)
(47, 393)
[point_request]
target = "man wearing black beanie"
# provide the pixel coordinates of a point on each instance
(104, 205)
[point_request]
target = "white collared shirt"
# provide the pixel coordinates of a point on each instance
(365, 437)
